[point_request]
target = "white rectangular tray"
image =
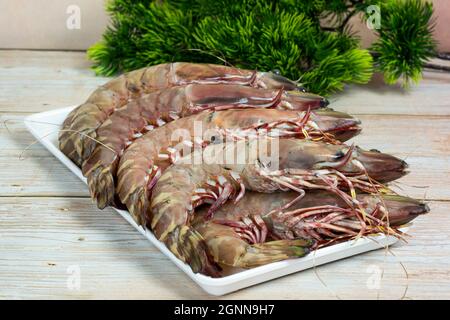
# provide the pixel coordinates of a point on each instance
(42, 126)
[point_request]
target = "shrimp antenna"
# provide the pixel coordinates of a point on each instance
(388, 249)
(213, 55)
(21, 157)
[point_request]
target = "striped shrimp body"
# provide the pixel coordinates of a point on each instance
(160, 107)
(86, 118)
(144, 160)
(319, 216)
(300, 165)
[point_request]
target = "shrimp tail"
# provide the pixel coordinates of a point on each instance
(102, 186)
(263, 253)
(139, 199)
(189, 246)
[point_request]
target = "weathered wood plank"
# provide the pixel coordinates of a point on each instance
(28, 168)
(424, 142)
(426, 149)
(47, 223)
(34, 81)
(43, 238)
(430, 97)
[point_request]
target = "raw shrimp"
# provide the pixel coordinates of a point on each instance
(159, 107)
(240, 234)
(229, 245)
(143, 162)
(294, 164)
(86, 118)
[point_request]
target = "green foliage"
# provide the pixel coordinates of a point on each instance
(142, 33)
(257, 34)
(405, 40)
(352, 66)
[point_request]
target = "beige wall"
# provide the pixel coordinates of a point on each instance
(42, 24)
(441, 31)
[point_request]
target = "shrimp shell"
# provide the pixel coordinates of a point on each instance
(236, 233)
(86, 118)
(141, 163)
(163, 106)
(301, 165)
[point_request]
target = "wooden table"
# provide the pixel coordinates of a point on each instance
(50, 231)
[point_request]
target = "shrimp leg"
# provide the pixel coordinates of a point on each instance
(147, 157)
(301, 165)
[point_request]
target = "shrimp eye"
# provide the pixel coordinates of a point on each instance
(276, 71)
(375, 150)
(339, 155)
(214, 139)
(264, 164)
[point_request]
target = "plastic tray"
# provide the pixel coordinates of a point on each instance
(42, 126)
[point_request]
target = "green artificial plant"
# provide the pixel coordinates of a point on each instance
(306, 40)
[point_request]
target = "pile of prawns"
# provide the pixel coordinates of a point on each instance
(136, 140)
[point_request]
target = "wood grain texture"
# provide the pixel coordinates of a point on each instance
(34, 81)
(45, 80)
(429, 98)
(43, 237)
(48, 224)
